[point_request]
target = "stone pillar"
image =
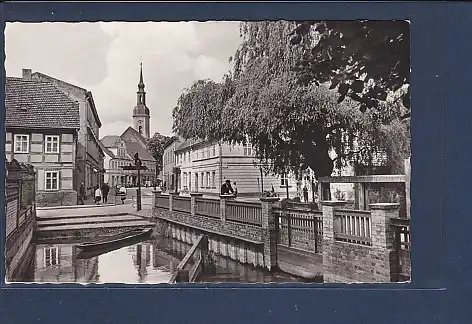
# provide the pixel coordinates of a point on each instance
(269, 233)
(171, 196)
(156, 193)
(383, 240)
(383, 235)
(223, 199)
(329, 255)
(328, 208)
(193, 202)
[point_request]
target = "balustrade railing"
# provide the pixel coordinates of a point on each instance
(301, 229)
(353, 226)
(402, 245)
(181, 203)
(208, 207)
(244, 212)
(162, 201)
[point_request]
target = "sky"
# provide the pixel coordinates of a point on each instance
(105, 58)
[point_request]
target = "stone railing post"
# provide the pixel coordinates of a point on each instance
(171, 199)
(383, 235)
(223, 199)
(156, 193)
(328, 208)
(269, 232)
(383, 239)
(193, 202)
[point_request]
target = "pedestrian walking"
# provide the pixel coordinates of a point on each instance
(98, 195)
(226, 188)
(123, 194)
(81, 193)
(235, 190)
(305, 194)
(105, 191)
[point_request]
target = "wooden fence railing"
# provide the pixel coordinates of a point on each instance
(208, 207)
(162, 201)
(300, 228)
(403, 246)
(191, 266)
(181, 204)
(353, 226)
(244, 212)
(16, 213)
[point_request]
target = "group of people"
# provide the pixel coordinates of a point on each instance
(227, 189)
(100, 193)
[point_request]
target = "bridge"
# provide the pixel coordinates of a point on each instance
(332, 240)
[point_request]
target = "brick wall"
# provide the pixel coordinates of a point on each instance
(351, 262)
(244, 232)
(56, 198)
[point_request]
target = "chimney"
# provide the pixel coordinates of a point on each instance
(27, 74)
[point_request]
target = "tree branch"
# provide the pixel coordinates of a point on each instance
(351, 153)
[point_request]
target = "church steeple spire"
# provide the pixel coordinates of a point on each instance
(141, 82)
(141, 98)
(141, 116)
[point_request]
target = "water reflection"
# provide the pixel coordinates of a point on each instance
(144, 262)
(150, 262)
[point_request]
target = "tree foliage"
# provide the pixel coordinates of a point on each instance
(155, 146)
(364, 60)
(292, 124)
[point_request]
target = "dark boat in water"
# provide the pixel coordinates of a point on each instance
(114, 241)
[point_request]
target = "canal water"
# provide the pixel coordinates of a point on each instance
(149, 262)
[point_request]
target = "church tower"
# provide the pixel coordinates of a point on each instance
(141, 118)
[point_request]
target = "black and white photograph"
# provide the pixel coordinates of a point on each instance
(207, 152)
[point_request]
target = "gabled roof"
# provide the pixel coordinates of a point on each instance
(133, 147)
(133, 132)
(35, 104)
(110, 141)
(188, 143)
(170, 141)
(88, 94)
(105, 150)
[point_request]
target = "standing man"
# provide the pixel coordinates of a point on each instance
(81, 193)
(105, 191)
(305, 194)
(235, 190)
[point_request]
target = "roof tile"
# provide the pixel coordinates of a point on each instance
(33, 104)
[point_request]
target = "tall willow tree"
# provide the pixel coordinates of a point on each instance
(292, 124)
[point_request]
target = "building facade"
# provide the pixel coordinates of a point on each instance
(204, 167)
(42, 124)
(89, 155)
(120, 150)
(169, 163)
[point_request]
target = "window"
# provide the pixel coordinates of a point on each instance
(52, 180)
(208, 179)
(202, 180)
(214, 150)
(21, 143)
(51, 256)
(284, 180)
(213, 184)
(248, 149)
(52, 143)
